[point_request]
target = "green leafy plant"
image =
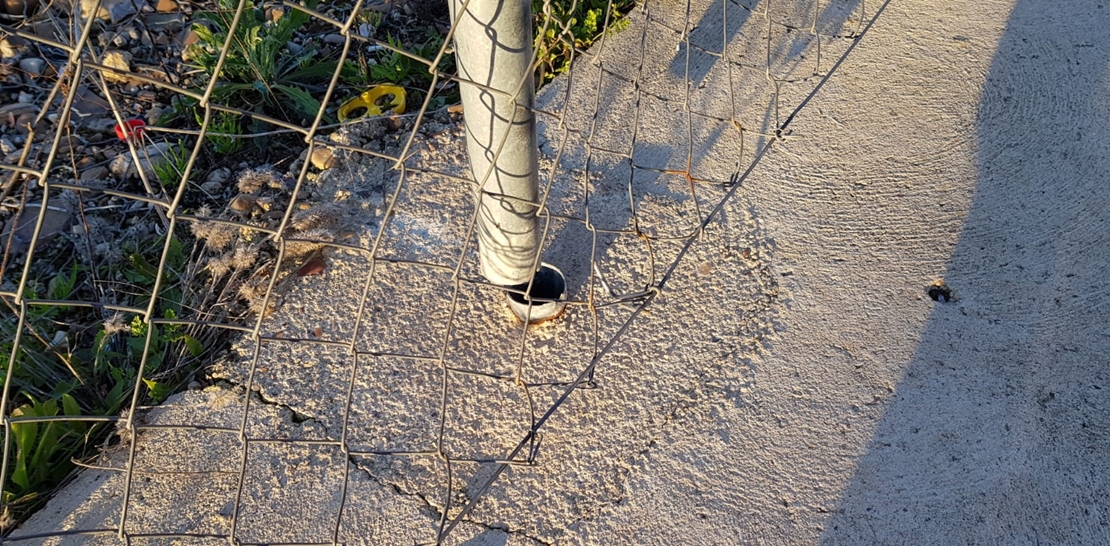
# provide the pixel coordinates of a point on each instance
(388, 66)
(44, 361)
(371, 17)
(259, 73)
(43, 450)
(169, 168)
(393, 67)
(573, 25)
(89, 365)
(122, 366)
(223, 124)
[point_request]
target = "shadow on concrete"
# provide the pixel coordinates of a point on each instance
(998, 431)
(491, 537)
(707, 34)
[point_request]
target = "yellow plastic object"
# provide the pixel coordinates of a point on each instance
(368, 100)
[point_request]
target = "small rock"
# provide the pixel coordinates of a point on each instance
(118, 10)
(67, 146)
(91, 105)
(157, 112)
(294, 48)
(22, 121)
(33, 66)
(243, 203)
(110, 10)
(122, 165)
(6, 145)
(98, 124)
(188, 37)
(119, 60)
(394, 123)
(25, 98)
(323, 158)
(166, 6)
(334, 39)
(195, 386)
(219, 176)
(211, 189)
(57, 220)
(99, 172)
(12, 48)
(21, 8)
(162, 39)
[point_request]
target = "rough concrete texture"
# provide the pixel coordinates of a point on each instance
(794, 383)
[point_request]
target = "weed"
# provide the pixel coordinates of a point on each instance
(89, 365)
(370, 17)
(390, 66)
(571, 27)
(170, 167)
(395, 68)
(43, 449)
(259, 73)
(222, 128)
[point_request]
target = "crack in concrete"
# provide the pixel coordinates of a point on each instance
(504, 528)
(396, 488)
(295, 416)
(435, 510)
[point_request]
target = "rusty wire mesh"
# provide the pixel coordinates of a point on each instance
(682, 102)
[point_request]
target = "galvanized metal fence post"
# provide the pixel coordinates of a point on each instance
(493, 49)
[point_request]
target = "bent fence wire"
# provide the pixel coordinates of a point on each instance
(358, 313)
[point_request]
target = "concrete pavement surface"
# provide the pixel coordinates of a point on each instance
(890, 332)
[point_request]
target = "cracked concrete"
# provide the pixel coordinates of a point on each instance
(186, 480)
(793, 383)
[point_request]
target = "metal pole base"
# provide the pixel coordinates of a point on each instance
(547, 297)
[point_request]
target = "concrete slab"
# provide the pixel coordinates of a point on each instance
(792, 383)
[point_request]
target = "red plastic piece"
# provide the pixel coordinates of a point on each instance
(132, 128)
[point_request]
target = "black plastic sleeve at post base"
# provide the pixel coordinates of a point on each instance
(547, 296)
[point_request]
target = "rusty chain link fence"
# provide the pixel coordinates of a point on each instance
(328, 233)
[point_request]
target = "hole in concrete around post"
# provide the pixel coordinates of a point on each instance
(548, 295)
